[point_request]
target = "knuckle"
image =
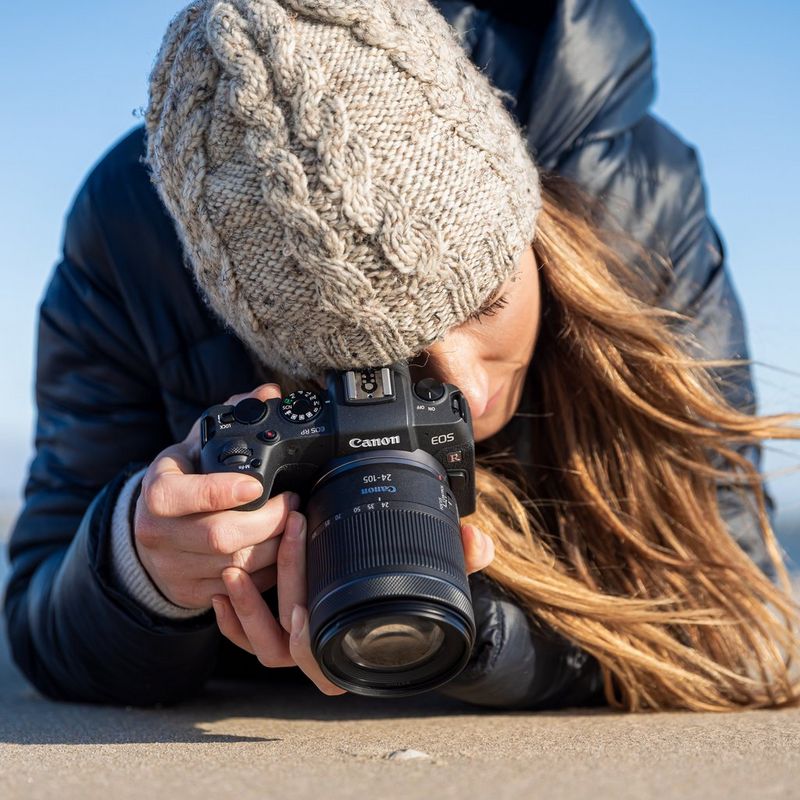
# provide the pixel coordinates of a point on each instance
(155, 496)
(208, 495)
(148, 534)
(148, 538)
(217, 540)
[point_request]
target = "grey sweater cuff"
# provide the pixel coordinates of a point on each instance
(127, 569)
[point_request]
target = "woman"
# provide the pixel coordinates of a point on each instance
(348, 189)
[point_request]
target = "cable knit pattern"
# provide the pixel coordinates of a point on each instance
(346, 184)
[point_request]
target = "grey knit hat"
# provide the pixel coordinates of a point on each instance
(346, 184)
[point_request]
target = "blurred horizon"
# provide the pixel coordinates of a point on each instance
(76, 74)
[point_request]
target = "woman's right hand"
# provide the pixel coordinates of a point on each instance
(186, 533)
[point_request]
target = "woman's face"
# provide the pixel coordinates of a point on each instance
(488, 357)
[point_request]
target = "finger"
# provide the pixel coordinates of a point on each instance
(254, 558)
(225, 532)
(478, 548)
(300, 649)
(169, 490)
(269, 641)
(228, 623)
(267, 391)
(292, 568)
(197, 567)
(263, 579)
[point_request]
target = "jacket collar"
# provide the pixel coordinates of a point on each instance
(593, 77)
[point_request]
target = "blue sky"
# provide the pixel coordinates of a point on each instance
(74, 73)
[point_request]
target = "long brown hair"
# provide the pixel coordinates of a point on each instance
(615, 538)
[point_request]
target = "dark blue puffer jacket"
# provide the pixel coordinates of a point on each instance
(128, 357)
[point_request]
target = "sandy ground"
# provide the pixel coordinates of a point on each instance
(252, 741)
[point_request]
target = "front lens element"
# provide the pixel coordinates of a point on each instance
(392, 643)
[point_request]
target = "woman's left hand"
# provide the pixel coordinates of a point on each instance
(245, 618)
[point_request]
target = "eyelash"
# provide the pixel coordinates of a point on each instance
(492, 310)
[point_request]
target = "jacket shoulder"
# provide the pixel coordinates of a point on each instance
(120, 236)
(652, 183)
(116, 190)
(122, 157)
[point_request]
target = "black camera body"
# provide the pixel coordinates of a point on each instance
(286, 442)
(385, 468)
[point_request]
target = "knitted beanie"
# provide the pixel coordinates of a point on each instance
(345, 183)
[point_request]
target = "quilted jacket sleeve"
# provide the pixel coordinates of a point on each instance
(72, 632)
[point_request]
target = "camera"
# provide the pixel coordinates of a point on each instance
(385, 468)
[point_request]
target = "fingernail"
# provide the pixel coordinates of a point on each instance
(294, 501)
(219, 609)
(297, 526)
(246, 490)
(232, 578)
(488, 544)
(297, 621)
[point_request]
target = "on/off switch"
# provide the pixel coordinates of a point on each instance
(429, 389)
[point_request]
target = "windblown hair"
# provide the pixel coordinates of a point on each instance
(615, 539)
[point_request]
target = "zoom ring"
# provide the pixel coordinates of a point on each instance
(385, 541)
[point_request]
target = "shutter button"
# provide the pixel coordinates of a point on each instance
(249, 411)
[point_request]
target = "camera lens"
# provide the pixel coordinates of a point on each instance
(392, 642)
(389, 602)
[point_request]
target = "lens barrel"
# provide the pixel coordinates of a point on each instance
(389, 600)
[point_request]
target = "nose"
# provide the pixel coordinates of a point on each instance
(454, 362)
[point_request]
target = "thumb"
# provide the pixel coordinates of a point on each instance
(267, 391)
(478, 548)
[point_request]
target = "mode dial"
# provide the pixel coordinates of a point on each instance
(301, 407)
